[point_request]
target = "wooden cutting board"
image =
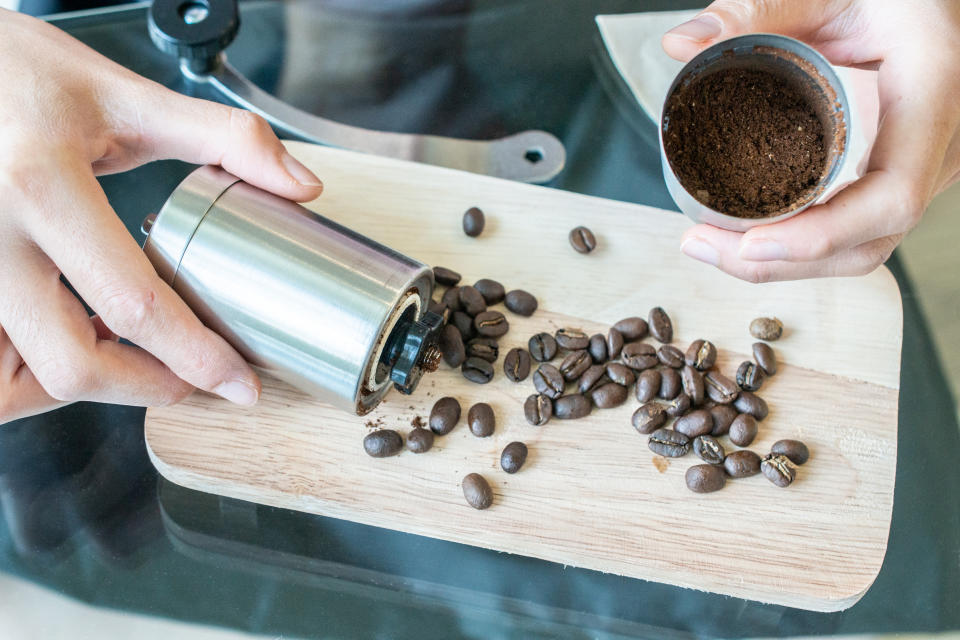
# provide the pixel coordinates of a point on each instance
(591, 494)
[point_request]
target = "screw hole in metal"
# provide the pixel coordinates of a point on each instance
(533, 155)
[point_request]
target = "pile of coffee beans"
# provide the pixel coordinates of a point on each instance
(469, 338)
(686, 404)
(578, 373)
(706, 405)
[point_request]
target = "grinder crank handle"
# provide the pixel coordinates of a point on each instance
(197, 32)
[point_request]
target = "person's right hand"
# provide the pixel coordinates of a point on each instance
(916, 48)
(68, 114)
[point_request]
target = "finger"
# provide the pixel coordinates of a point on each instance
(203, 132)
(875, 206)
(110, 272)
(58, 343)
(902, 177)
(719, 247)
(813, 21)
(10, 359)
(22, 396)
(103, 331)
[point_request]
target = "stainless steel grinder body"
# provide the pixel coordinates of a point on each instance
(310, 301)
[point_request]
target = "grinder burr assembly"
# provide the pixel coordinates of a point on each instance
(330, 311)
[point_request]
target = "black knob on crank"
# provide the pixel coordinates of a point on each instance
(195, 31)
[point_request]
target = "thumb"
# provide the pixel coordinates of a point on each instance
(728, 18)
(203, 132)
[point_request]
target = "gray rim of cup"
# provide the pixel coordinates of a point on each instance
(744, 46)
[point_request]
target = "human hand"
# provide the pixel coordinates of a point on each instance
(917, 150)
(66, 115)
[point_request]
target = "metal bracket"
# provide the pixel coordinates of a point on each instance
(197, 31)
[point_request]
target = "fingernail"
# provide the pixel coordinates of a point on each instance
(299, 172)
(703, 27)
(701, 250)
(763, 250)
(237, 392)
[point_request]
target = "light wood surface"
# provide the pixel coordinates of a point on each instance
(590, 494)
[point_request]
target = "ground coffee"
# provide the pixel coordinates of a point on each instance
(745, 142)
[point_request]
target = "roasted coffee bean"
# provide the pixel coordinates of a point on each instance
(513, 457)
(451, 299)
(632, 328)
(516, 364)
(543, 347)
(692, 381)
(420, 440)
(763, 354)
(464, 325)
(648, 384)
(575, 364)
(572, 339)
(473, 221)
(621, 373)
(766, 328)
(548, 380)
(477, 491)
(670, 356)
(678, 406)
(451, 345)
(696, 423)
(592, 378)
(614, 344)
(661, 327)
(749, 376)
(444, 415)
(756, 406)
(742, 464)
(438, 308)
(598, 348)
(477, 370)
(483, 348)
(743, 430)
(669, 443)
(520, 302)
(778, 469)
(795, 450)
(701, 355)
(609, 395)
(709, 449)
(472, 301)
(670, 384)
(538, 409)
(705, 478)
(382, 443)
(491, 290)
(582, 240)
(720, 388)
(481, 420)
(639, 355)
(649, 417)
(571, 407)
(446, 277)
(723, 417)
(491, 323)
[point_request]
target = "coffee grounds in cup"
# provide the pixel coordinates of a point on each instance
(745, 142)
